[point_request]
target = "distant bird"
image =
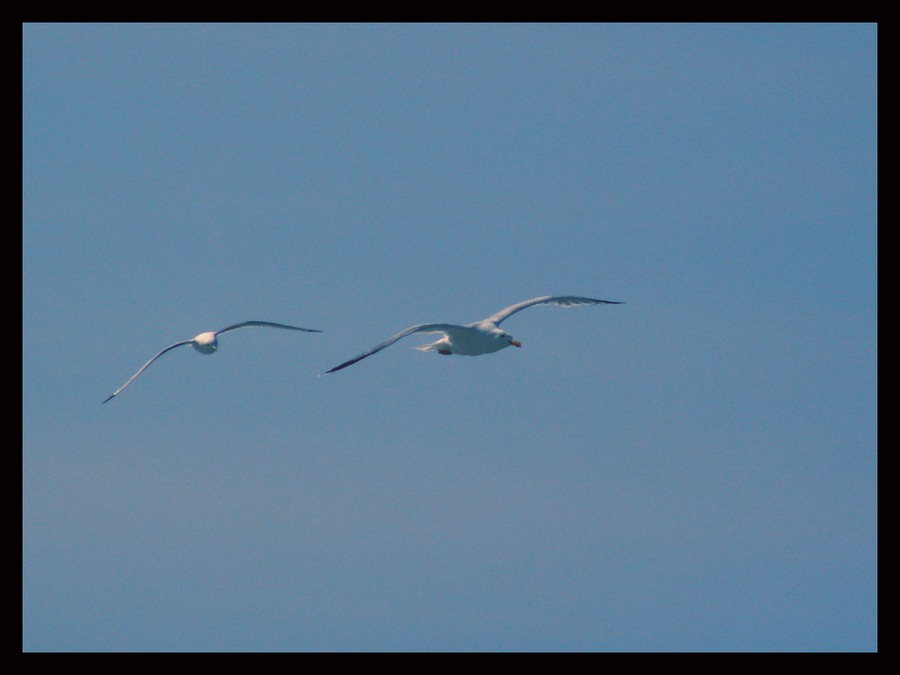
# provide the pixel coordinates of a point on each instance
(207, 343)
(479, 337)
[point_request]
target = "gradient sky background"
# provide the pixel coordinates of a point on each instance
(692, 470)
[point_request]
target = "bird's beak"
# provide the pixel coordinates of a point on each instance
(515, 343)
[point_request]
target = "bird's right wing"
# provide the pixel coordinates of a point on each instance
(420, 328)
(560, 300)
(247, 324)
(144, 367)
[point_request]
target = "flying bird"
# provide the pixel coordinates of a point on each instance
(207, 343)
(479, 337)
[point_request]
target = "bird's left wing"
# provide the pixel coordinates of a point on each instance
(144, 367)
(420, 328)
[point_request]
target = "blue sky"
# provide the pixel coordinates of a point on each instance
(694, 470)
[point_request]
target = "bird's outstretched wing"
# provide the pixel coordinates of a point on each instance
(144, 367)
(248, 324)
(420, 328)
(560, 300)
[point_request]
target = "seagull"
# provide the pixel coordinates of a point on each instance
(206, 343)
(479, 337)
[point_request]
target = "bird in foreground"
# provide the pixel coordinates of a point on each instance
(207, 343)
(479, 337)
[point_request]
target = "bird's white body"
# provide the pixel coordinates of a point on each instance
(206, 343)
(470, 340)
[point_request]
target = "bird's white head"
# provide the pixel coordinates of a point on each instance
(206, 343)
(505, 338)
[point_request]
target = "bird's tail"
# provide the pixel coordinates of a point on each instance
(434, 346)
